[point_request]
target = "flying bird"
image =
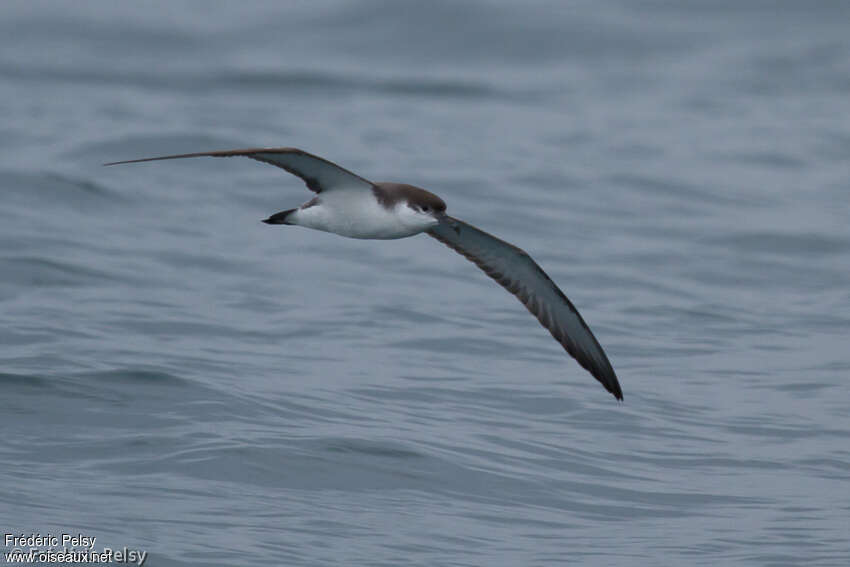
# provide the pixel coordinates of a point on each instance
(352, 206)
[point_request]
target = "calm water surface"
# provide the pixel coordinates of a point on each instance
(179, 378)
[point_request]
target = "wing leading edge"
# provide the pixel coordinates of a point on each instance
(318, 173)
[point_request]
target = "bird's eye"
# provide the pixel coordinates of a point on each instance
(425, 208)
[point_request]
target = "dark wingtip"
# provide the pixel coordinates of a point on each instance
(607, 378)
(613, 386)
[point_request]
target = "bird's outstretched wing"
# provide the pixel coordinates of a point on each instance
(318, 173)
(514, 269)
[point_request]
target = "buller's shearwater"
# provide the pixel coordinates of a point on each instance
(349, 205)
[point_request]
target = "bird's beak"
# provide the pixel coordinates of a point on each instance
(445, 220)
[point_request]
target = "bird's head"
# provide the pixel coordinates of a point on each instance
(417, 207)
(424, 208)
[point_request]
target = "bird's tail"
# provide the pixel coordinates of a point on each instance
(279, 218)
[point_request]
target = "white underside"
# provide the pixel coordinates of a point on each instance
(356, 213)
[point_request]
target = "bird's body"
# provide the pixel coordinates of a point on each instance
(356, 212)
(351, 206)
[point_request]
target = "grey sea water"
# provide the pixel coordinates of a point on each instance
(178, 378)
